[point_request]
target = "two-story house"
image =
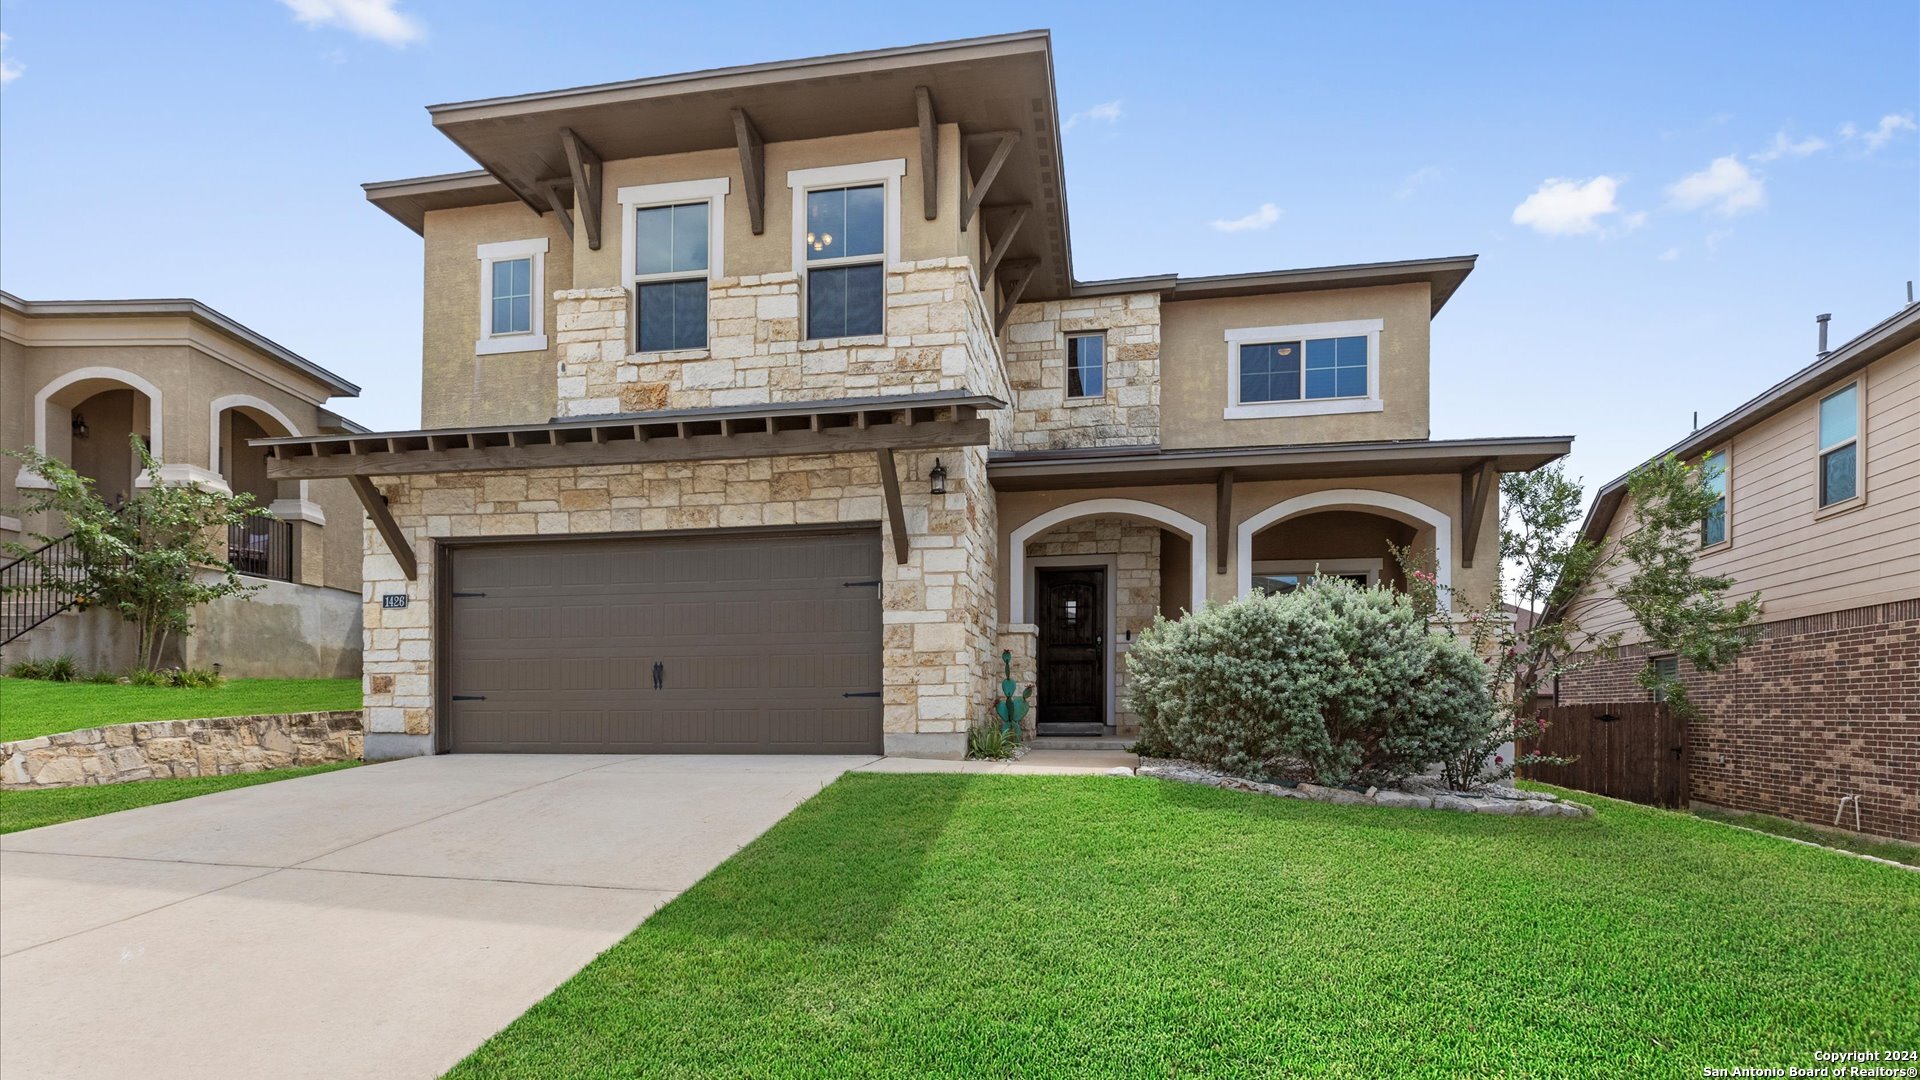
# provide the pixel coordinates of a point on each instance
(764, 412)
(1818, 511)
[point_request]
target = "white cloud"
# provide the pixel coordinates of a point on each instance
(1890, 125)
(10, 69)
(1262, 218)
(1717, 237)
(1726, 187)
(375, 19)
(1425, 174)
(1672, 254)
(1568, 207)
(1782, 146)
(1634, 220)
(1107, 112)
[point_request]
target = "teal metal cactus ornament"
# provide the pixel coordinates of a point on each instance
(1012, 709)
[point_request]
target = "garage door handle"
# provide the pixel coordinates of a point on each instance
(461, 594)
(659, 675)
(469, 697)
(859, 584)
(861, 693)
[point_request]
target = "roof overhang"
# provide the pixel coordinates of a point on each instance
(1442, 276)
(1896, 332)
(997, 84)
(1125, 467)
(186, 308)
(408, 201)
(899, 422)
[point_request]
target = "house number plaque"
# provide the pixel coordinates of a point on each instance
(393, 600)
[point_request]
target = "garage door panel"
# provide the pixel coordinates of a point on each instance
(759, 640)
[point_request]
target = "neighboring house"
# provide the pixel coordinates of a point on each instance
(79, 378)
(763, 412)
(1820, 514)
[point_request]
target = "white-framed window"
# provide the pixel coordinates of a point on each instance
(1840, 446)
(1284, 576)
(1668, 668)
(1310, 369)
(1087, 365)
(846, 233)
(513, 279)
(1713, 478)
(672, 245)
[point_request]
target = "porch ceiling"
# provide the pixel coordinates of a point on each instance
(1131, 466)
(897, 422)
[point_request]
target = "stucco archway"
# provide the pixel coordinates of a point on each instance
(52, 394)
(1195, 532)
(260, 409)
(1409, 510)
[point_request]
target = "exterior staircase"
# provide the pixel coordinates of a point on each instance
(30, 595)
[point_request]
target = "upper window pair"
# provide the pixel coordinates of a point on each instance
(1304, 370)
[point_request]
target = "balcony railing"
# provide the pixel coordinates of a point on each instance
(262, 547)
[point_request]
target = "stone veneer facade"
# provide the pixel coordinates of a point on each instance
(1135, 550)
(1127, 413)
(1817, 708)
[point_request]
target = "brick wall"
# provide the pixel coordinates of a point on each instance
(1818, 708)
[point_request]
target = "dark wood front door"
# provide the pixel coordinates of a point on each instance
(1071, 609)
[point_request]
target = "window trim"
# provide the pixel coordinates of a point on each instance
(1724, 455)
(887, 173)
(636, 197)
(535, 340)
(1859, 442)
(1655, 662)
(1258, 335)
(1066, 366)
(1373, 568)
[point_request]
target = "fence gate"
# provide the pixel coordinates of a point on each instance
(1633, 750)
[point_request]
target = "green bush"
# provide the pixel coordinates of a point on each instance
(1344, 683)
(194, 678)
(58, 669)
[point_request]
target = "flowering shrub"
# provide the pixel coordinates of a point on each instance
(1347, 682)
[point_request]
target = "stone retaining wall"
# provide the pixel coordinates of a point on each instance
(160, 749)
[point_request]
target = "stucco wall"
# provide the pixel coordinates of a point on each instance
(1194, 393)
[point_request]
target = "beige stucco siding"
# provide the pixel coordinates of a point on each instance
(458, 387)
(1802, 560)
(1194, 371)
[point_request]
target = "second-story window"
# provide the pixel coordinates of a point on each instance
(672, 244)
(670, 276)
(1840, 446)
(1086, 365)
(846, 224)
(1713, 478)
(846, 272)
(1303, 370)
(512, 297)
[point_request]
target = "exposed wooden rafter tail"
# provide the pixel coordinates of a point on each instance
(584, 165)
(753, 168)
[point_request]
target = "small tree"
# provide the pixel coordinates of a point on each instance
(153, 560)
(1552, 569)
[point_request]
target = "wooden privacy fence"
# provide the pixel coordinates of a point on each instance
(1633, 750)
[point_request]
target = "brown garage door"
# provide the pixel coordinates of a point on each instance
(708, 644)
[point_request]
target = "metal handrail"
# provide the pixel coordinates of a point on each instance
(262, 547)
(27, 599)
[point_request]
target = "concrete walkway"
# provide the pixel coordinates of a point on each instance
(374, 922)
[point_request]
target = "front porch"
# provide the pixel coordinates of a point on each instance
(1094, 545)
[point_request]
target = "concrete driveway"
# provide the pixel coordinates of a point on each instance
(381, 921)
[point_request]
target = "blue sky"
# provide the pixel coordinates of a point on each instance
(1662, 196)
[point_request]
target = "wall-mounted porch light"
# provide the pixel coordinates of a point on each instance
(79, 426)
(939, 477)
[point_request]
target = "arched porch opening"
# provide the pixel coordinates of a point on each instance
(87, 419)
(1340, 533)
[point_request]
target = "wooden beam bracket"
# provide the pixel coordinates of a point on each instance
(551, 189)
(998, 245)
(929, 151)
(1476, 487)
(1222, 518)
(1010, 295)
(376, 507)
(976, 190)
(753, 168)
(896, 513)
(584, 164)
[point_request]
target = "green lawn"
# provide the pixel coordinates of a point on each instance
(950, 925)
(32, 809)
(30, 707)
